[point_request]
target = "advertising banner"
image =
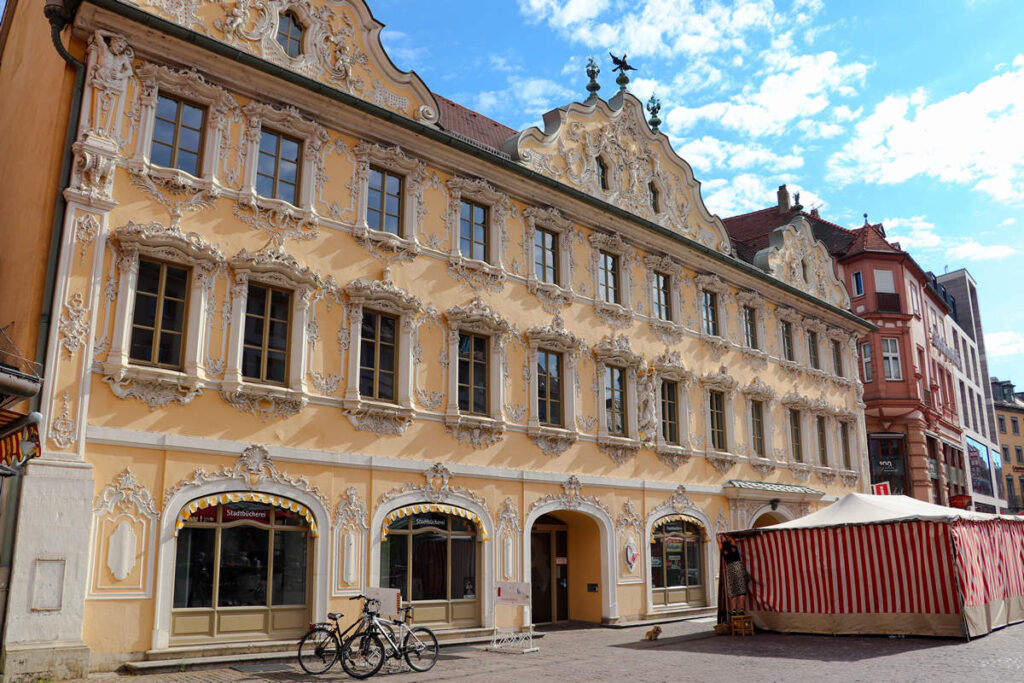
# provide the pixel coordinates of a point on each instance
(390, 600)
(513, 593)
(981, 472)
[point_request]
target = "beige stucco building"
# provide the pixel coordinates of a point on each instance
(317, 329)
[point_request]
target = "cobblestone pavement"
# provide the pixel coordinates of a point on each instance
(688, 651)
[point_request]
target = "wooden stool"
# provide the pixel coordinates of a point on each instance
(742, 625)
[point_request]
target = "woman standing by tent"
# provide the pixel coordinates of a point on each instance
(735, 576)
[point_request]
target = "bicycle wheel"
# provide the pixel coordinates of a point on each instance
(362, 655)
(318, 650)
(420, 648)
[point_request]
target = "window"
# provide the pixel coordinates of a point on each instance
(750, 327)
(716, 412)
(787, 341)
(858, 284)
(177, 134)
(837, 359)
(796, 435)
(545, 255)
(844, 441)
(431, 556)
(1014, 425)
(655, 198)
(377, 355)
(865, 362)
(915, 299)
(384, 202)
(265, 337)
(277, 172)
(676, 560)
(1006, 454)
(662, 296)
(549, 388)
(757, 427)
(1002, 424)
(1020, 455)
(473, 237)
(602, 174)
(608, 277)
(891, 359)
(670, 412)
(710, 310)
(822, 442)
(615, 399)
(289, 35)
(884, 282)
(158, 322)
(473, 360)
(812, 350)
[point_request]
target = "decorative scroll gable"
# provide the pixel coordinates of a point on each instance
(340, 45)
(644, 174)
(795, 257)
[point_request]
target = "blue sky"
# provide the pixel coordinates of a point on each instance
(911, 112)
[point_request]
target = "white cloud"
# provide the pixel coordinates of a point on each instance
(912, 233)
(971, 138)
(842, 113)
(1006, 223)
(749, 192)
(1004, 343)
(971, 250)
(530, 97)
(819, 130)
(707, 153)
(402, 50)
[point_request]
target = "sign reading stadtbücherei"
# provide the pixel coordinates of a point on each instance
(390, 600)
(513, 593)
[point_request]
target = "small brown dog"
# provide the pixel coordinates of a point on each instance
(653, 633)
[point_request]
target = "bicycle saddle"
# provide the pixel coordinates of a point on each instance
(334, 616)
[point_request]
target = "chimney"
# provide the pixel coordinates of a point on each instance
(784, 205)
(814, 212)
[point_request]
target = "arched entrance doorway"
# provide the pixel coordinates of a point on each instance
(242, 568)
(566, 567)
(768, 519)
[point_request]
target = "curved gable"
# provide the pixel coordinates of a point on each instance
(340, 46)
(575, 138)
(795, 257)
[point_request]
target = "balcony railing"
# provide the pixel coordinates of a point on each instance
(888, 302)
(19, 377)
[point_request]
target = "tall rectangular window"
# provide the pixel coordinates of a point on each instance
(177, 135)
(891, 359)
(1020, 455)
(750, 328)
(837, 359)
(858, 284)
(757, 427)
(662, 296)
(812, 350)
(844, 440)
(549, 388)
(1014, 425)
(545, 256)
(473, 237)
(716, 411)
(265, 337)
(1002, 424)
(1006, 454)
(615, 399)
(277, 175)
(670, 412)
(865, 362)
(384, 201)
(608, 277)
(788, 351)
(710, 313)
(378, 352)
(822, 442)
(158, 322)
(473, 361)
(796, 438)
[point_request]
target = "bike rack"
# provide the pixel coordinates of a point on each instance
(513, 642)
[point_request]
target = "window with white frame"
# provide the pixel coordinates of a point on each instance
(615, 405)
(757, 430)
(866, 369)
(892, 368)
(603, 180)
(177, 140)
(718, 411)
(283, 159)
(550, 388)
(670, 412)
(822, 434)
(548, 247)
(750, 335)
(813, 357)
(837, 358)
(265, 336)
(796, 435)
(858, 284)
(788, 325)
(844, 443)
(661, 296)
(545, 256)
(158, 322)
(611, 264)
(390, 187)
(709, 313)
(616, 367)
(672, 380)
(553, 353)
(476, 221)
(289, 34)
(608, 288)
(915, 299)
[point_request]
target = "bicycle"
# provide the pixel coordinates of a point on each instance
(321, 646)
(364, 652)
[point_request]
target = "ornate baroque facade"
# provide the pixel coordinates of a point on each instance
(367, 312)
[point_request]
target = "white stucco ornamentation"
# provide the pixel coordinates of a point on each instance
(629, 518)
(124, 514)
(74, 324)
(351, 525)
(436, 490)
(391, 248)
(798, 259)
(488, 273)
(121, 551)
(571, 498)
(678, 503)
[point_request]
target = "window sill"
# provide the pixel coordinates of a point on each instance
(757, 356)
(476, 273)
(172, 179)
(800, 471)
(265, 401)
(721, 460)
(277, 215)
(671, 454)
(667, 331)
(825, 475)
(613, 314)
(377, 417)
(761, 465)
(478, 431)
(848, 477)
(552, 440)
(378, 242)
(156, 387)
(549, 293)
(717, 345)
(619, 448)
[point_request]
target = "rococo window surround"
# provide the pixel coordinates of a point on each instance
(404, 246)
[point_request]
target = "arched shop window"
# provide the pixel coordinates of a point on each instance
(242, 550)
(677, 560)
(430, 553)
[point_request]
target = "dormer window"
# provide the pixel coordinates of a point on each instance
(655, 197)
(289, 35)
(602, 174)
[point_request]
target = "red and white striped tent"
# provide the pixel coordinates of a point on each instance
(886, 564)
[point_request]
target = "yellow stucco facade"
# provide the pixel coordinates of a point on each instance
(129, 444)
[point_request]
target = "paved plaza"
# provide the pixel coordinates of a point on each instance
(687, 651)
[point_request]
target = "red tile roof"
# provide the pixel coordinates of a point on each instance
(750, 232)
(871, 238)
(469, 124)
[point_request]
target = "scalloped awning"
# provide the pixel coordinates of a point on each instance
(420, 508)
(11, 453)
(245, 496)
(678, 518)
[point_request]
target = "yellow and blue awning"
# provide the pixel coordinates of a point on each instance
(245, 496)
(421, 508)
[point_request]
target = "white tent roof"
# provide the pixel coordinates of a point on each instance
(861, 508)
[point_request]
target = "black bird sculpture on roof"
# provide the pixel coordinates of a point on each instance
(620, 64)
